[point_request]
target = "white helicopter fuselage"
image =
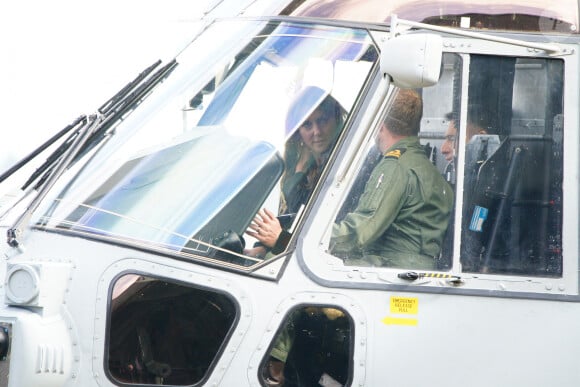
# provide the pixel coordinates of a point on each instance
(128, 260)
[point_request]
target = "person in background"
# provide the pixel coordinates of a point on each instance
(449, 146)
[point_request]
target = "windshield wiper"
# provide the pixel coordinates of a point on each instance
(78, 138)
(55, 156)
(127, 99)
(110, 112)
(16, 167)
(89, 132)
(106, 109)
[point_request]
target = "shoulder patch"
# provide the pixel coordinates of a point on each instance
(395, 153)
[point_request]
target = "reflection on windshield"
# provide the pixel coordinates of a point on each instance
(138, 188)
(219, 152)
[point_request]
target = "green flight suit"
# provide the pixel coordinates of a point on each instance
(402, 215)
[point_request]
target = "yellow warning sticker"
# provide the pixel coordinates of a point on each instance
(399, 321)
(404, 305)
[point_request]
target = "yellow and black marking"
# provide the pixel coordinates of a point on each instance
(412, 276)
(437, 275)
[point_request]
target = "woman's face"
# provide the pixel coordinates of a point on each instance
(318, 131)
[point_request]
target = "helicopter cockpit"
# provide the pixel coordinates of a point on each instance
(155, 193)
(178, 182)
(203, 170)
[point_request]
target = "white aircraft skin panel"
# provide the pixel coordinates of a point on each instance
(142, 265)
(434, 325)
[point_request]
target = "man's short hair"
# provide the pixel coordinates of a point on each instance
(404, 116)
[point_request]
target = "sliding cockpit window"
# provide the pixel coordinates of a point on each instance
(498, 150)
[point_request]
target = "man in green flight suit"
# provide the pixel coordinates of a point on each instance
(403, 213)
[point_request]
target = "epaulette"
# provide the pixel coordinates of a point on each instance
(395, 153)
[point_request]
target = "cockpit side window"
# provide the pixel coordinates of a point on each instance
(492, 128)
(163, 332)
(398, 209)
(512, 200)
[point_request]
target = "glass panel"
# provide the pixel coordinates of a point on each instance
(439, 137)
(398, 209)
(189, 169)
(513, 15)
(512, 217)
(313, 348)
(511, 187)
(161, 332)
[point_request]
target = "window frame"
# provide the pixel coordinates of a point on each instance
(354, 313)
(231, 342)
(329, 270)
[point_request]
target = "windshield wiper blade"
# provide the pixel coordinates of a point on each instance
(118, 106)
(21, 163)
(80, 136)
(117, 98)
(53, 158)
(119, 103)
(90, 133)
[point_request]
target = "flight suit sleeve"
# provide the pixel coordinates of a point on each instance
(283, 344)
(378, 206)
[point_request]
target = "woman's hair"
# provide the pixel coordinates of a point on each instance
(308, 100)
(300, 109)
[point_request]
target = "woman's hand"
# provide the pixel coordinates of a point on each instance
(265, 228)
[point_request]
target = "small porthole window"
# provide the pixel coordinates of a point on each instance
(313, 347)
(162, 332)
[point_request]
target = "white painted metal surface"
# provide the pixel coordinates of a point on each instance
(78, 307)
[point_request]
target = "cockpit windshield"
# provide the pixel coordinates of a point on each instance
(187, 171)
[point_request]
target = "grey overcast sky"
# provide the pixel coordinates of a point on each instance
(63, 58)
